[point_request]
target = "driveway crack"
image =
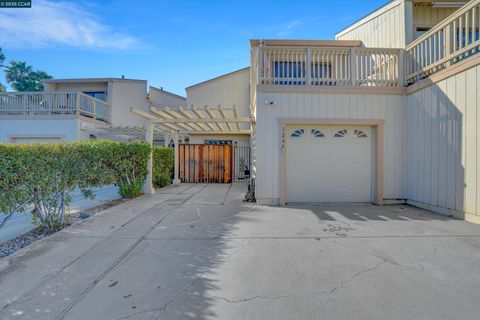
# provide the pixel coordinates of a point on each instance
(248, 299)
(351, 278)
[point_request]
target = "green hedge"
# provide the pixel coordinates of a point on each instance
(44, 175)
(162, 166)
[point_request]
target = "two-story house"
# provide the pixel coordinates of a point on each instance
(386, 113)
(74, 109)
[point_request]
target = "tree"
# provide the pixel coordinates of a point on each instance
(2, 60)
(21, 75)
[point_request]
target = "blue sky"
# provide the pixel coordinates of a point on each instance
(172, 44)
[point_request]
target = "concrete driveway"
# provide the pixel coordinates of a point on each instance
(199, 252)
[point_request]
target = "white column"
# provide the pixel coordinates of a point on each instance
(148, 188)
(167, 140)
(176, 180)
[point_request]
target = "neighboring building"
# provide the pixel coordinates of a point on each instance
(231, 90)
(387, 113)
(73, 109)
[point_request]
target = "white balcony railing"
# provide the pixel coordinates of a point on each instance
(449, 42)
(324, 66)
(46, 104)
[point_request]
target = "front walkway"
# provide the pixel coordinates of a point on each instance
(199, 252)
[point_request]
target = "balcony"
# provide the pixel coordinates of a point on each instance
(46, 105)
(327, 66)
(449, 42)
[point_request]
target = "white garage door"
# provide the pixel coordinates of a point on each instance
(329, 163)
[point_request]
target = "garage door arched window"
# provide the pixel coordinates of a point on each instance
(297, 133)
(317, 133)
(341, 133)
(360, 134)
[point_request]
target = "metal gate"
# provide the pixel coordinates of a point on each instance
(201, 163)
(241, 160)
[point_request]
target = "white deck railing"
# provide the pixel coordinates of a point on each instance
(44, 104)
(449, 42)
(324, 66)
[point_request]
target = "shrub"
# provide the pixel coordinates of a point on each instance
(44, 175)
(128, 164)
(162, 166)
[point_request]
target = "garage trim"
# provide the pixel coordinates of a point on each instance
(378, 126)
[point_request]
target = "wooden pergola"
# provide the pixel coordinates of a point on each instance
(176, 121)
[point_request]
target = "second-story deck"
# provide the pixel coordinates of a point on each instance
(349, 64)
(36, 105)
(335, 64)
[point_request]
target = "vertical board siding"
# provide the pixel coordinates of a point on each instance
(382, 31)
(426, 16)
(443, 145)
(327, 106)
(229, 90)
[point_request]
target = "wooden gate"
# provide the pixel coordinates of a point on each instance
(201, 163)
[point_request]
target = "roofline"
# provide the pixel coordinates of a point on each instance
(367, 15)
(307, 43)
(216, 78)
(80, 80)
(167, 93)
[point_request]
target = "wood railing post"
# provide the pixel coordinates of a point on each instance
(77, 103)
(401, 68)
(308, 67)
(259, 65)
(447, 43)
(353, 66)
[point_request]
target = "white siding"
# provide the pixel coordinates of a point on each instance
(425, 16)
(231, 89)
(67, 129)
(327, 106)
(444, 145)
(383, 28)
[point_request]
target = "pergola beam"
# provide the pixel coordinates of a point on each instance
(224, 116)
(218, 120)
(212, 115)
(201, 116)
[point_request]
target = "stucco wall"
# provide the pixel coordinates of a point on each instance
(444, 144)
(127, 94)
(163, 98)
(327, 106)
(79, 86)
(67, 129)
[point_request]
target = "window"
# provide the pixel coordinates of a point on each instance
(341, 133)
(287, 72)
(321, 71)
(420, 31)
(297, 133)
(360, 134)
(100, 95)
(218, 142)
(317, 133)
